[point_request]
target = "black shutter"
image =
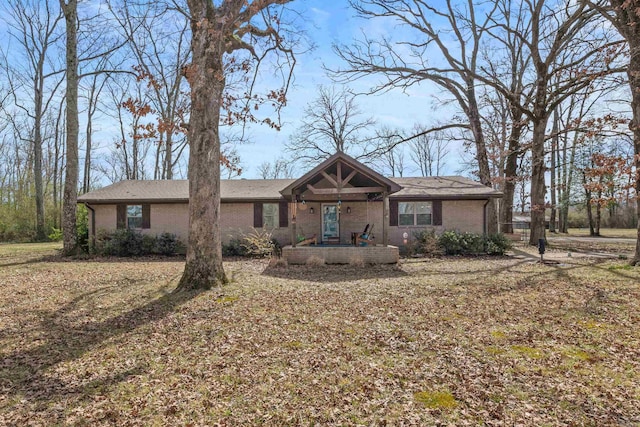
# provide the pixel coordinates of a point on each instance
(436, 207)
(121, 216)
(146, 216)
(393, 213)
(283, 212)
(257, 215)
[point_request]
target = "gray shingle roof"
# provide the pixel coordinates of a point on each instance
(441, 187)
(451, 187)
(178, 191)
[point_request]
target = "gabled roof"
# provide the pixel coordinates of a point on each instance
(336, 176)
(342, 166)
(177, 191)
(443, 187)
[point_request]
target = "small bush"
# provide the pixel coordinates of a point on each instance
(498, 244)
(457, 243)
(82, 228)
(126, 243)
(148, 244)
(425, 242)
(314, 261)
(356, 261)
(235, 247)
(275, 262)
(167, 244)
(55, 235)
(258, 243)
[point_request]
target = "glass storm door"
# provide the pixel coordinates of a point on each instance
(330, 226)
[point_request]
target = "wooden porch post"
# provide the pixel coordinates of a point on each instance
(385, 218)
(293, 210)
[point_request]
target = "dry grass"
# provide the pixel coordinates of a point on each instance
(444, 341)
(624, 233)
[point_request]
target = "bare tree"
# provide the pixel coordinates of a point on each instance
(625, 16)
(218, 32)
(565, 45)
(505, 122)
(391, 152)
(158, 39)
(332, 122)
(35, 26)
(404, 63)
(428, 151)
(280, 168)
(70, 198)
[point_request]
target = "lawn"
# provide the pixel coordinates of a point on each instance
(625, 233)
(451, 341)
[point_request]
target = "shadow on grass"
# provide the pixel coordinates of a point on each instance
(43, 258)
(335, 272)
(26, 374)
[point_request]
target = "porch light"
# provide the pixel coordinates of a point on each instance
(311, 211)
(348, 209)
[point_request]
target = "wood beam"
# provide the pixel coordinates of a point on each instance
(385, 219)
(293, 209)
(348, 190)
(348, 178)
(328, 178)
(339, 175)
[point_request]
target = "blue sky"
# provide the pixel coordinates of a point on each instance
(332, 22)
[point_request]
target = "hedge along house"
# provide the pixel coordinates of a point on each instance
(333, 203)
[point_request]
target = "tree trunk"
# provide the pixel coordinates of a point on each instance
(634, 82)
(511, 174)
(596, 231)
(484, 171)
(37, 163)
(204, 268)
(538, 187)
(70, 198)
(554, 150)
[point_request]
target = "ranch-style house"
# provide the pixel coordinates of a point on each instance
(323, 213)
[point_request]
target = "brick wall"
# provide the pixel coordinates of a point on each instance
(237, 218)
(342, 255)
(165, 218)
(462, 215)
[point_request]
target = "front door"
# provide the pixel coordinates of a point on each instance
(330, 223)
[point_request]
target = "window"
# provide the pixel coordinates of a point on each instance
(270, 215)
(414, 213)
(134, 216)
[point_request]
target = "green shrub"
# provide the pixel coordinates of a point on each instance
(125, 243)
(457, 243)
(235, 247)
(82, 228)
(148, 245)
(426, 242)
(55, 235)
(498, 244)
(167, 244)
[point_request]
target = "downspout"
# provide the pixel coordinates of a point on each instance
(484, 217)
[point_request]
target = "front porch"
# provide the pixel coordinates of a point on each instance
(338, 201)
(372, 254)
